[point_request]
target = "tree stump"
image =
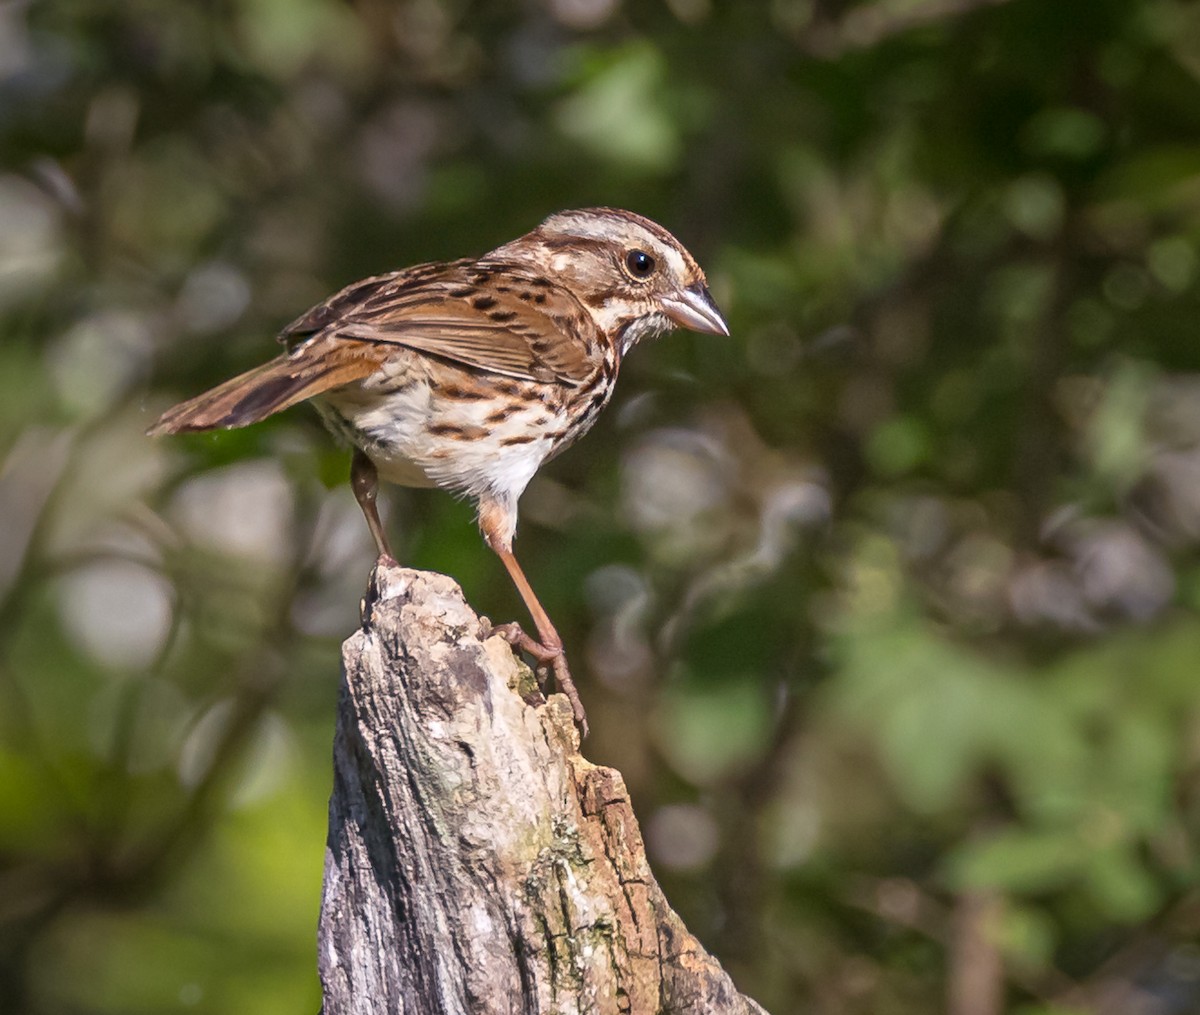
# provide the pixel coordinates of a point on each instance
(476, 863)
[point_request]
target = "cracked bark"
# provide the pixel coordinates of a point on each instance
(476, 863)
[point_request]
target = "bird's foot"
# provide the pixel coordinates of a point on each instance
(554, 655)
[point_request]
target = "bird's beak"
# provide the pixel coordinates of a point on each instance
(693, 308)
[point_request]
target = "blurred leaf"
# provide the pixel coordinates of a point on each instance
(899, 446)
(1116, 434)
(286, 36)
(1019, 861)
(1121, 887)
(711, 734)
(617, 110)
(1028, 937)
(1065, 131)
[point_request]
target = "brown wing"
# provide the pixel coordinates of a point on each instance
(492, 316)
(313, 364)
(272, 387)
(357, 295)
(487, 315)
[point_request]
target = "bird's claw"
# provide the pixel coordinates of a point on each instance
(554, 655)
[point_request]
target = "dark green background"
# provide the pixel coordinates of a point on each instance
(886, 606)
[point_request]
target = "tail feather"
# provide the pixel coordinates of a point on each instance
(259, 393)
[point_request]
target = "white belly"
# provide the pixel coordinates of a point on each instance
(418, 437)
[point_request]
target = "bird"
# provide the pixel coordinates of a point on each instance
(469, 375)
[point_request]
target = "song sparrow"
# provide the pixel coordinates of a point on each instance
(468, 375)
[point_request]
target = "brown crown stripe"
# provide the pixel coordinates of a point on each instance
(652, 227)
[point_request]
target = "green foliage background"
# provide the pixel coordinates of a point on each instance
(886, 607)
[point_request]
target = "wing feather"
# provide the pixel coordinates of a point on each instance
(271, 388)
(494, 317)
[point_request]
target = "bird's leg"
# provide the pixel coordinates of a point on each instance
(550, 648)
(364, 481)
(498, 521)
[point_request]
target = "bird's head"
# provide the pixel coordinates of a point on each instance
(632, 275)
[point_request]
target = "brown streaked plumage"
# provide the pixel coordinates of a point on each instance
(468, 375)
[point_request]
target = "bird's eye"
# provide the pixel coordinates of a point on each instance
(639, 263)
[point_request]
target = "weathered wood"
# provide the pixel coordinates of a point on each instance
(476, 863)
